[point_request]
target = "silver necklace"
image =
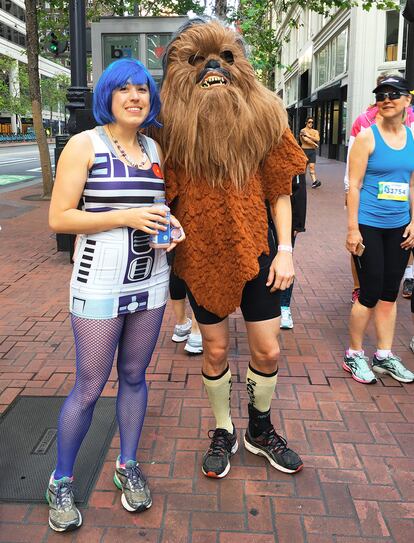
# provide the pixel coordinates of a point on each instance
(124, 155)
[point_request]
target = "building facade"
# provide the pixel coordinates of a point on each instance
(329, 65)
(12, 46)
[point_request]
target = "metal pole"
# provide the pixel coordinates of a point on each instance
(76, 92)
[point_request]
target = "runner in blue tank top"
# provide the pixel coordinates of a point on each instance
(380, 229)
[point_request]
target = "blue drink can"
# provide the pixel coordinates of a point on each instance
(162, 239)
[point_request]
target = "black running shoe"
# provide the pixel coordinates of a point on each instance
(274, 447)
(216, 461)
(316, 184)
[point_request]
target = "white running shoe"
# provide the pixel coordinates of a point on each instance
(286, 321)
(182, 331)
(194, 344)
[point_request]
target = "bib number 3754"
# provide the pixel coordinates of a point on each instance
(393, 191)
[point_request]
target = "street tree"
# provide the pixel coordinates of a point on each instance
(32, 40)
(220, 9)
(14, 87)
(54, 91)
(259, 22)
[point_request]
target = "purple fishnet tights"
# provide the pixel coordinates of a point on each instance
(96, 341)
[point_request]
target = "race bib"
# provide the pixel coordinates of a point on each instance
(393, 191)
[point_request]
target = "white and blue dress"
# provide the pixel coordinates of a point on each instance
(116, 272)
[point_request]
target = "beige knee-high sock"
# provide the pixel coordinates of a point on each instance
(260, 388)
(219, 393)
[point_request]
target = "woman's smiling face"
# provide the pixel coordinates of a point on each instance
(131, 104)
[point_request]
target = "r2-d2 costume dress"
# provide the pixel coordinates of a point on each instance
(116, 272)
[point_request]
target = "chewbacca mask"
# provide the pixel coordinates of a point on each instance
(219, 121)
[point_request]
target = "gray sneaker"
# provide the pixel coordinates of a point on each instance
(136, 496)
(63, 513)
(194, 344)
(357, 365)
(182, 331)
(393, 366)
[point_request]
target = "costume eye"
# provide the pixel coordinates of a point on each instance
(227, 56)
(196, 59)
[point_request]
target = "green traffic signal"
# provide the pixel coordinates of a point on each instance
(56, 46)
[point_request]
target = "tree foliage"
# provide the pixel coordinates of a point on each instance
(259, 21)
(54, 14)
(54, 91)
(14, 99)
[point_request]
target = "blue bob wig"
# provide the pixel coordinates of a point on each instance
(117, 75)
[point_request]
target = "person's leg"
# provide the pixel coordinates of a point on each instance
(312, 171)
(194, 343)
(216, 377)
(408, 282)
(371, 277)
(95, 343)
(395, 261)
(217, 381)
(286, 321)
(261, 311)
(179, 310)
(355, 290)
(137, 343)
(183, 324)
(315, 181)
(136, 346)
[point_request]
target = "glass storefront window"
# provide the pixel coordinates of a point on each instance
(119, 46)
(291, 90)
(156, 44)
(322, 67)
(405, 41)
(391, 35)
(332, 60)
(341, 53)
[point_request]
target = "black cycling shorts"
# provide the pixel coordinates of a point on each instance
(257, 303)
(381, 267)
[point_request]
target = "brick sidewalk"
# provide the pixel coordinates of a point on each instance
(357, 441)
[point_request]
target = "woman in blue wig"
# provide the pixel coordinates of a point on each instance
(119, 284)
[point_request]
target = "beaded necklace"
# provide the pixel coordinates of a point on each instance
(122, 152)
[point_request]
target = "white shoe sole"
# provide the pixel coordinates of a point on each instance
(251, 448)
(388, 372)
(286, 326)
(193, 350)
(69, 529)
(139, 509)
(225, 472)
(179, 339)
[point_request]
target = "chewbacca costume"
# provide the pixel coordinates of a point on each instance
(228, 151)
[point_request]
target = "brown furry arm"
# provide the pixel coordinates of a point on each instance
(171, 183)
(284, 161)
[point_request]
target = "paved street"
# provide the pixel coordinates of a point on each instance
(20, 164)
(357, 441)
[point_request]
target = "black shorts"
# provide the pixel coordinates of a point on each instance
(381, 267)
(257, 303)
(311, 154)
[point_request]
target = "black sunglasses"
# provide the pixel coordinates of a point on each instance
(310, 122)
(393, 95)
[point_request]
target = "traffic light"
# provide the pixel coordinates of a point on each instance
(56, 46)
